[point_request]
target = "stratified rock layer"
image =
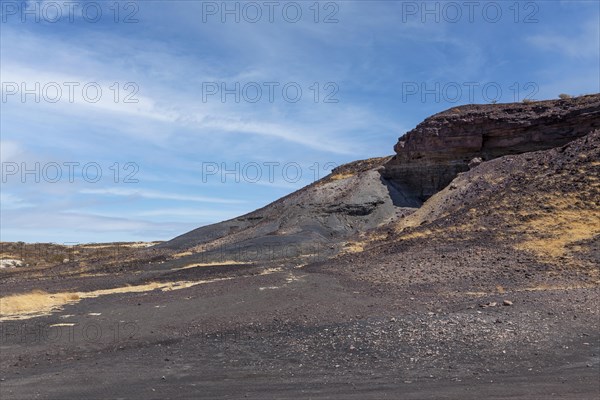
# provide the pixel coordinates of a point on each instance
(430, 156)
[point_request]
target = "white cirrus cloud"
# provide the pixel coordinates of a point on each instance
(152, 194)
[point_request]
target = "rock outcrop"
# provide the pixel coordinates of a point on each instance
(314, 221)
(530, 220)
(430, 156)
(365, 195)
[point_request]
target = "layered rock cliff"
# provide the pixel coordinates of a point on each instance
(358, 197)
(430, 156)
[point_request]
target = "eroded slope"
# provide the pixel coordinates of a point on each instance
(314, 221)
(524, 221)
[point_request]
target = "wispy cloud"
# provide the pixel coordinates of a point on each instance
(150, 194)
(175, 107)
(12, 202)
(171, 130)
(579, 41)
(70, 227)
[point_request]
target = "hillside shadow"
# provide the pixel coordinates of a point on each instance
(401, 195)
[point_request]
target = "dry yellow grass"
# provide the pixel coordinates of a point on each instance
(549, 235)
(34, 302)
(39, 303)
(269, 271)
(359, 246)
(546, 234)
(416, 235)
(183, 254)
(353, 247)
(338, 177)
(377, 236)
(211, 264)
(538, 288)
(133, 245)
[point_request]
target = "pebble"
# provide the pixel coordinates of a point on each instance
(507, 303)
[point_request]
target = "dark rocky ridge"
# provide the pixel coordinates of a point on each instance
(430, 156)
(364, 195)
(530, 219)
(313, 221)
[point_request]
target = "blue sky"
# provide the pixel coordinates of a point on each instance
(380, 67)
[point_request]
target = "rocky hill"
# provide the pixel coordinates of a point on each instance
(333, 214)
(313, 222)
(521, 221)
(431, 155)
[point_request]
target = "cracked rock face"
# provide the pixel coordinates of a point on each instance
(431, 155)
